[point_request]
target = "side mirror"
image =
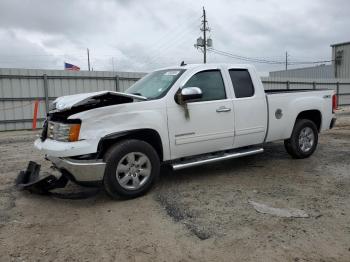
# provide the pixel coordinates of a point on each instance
(191, 93)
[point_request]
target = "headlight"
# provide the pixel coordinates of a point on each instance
(63, 132)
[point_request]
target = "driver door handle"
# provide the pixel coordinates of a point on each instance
(223, 109)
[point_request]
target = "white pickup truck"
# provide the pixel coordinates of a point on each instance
(181, 116)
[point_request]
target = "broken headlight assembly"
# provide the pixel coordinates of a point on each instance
(52, 106)
(64, 132)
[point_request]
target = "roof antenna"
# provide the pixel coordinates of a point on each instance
(182, 63)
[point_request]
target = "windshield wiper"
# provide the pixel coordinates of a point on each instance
(136, 94)
(140, 95)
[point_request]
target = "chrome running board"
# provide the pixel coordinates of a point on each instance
(215, 158)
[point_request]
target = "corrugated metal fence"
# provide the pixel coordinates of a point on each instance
(20, 88)
(340, 86)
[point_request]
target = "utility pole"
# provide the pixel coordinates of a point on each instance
(88, 57)
(286, 60)
(204, 42)
(204, 29)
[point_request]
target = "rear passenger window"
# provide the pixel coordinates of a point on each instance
(242, 83)
(211, 84)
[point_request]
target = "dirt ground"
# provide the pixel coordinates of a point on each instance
(199, 214)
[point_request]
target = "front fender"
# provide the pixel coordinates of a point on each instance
(100, 122)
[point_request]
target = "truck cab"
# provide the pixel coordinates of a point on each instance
(220, 119)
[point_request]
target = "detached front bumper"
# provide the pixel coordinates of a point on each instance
(80, 170)
(83, 172)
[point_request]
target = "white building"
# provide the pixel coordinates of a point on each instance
(341, 60)
(321, 71)
(340, 67)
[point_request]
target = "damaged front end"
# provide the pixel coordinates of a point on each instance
(81, 168)
(69, 105)
(81, 172)
(44, 183)
(31, 180)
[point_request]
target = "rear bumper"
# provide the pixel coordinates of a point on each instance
(81, 170)
(332, 123)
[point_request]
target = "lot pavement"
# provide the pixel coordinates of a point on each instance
(198, 214)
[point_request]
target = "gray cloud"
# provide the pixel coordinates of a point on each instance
(143, 35)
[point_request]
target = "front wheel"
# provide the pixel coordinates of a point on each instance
(132, 166)
(304, 139)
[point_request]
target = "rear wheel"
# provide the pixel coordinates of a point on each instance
(304, 139)
(132, 167)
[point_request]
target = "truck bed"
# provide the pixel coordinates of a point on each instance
(283, 106)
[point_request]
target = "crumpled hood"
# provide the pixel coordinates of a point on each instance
(64, 103)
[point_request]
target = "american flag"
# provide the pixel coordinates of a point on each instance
(71, 67)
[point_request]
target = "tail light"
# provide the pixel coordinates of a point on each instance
(334, 103)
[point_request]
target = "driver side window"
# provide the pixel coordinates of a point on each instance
(211, 84)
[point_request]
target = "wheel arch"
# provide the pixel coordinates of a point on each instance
(313, 115)
(148, 135)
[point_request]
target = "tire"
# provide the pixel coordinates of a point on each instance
(304, 139)
(132, 167)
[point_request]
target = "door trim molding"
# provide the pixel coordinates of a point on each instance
(252, 130)
(191, 138)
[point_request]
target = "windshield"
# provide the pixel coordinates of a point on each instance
(155, 85)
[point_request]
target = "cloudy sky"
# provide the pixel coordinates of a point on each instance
(138, 35)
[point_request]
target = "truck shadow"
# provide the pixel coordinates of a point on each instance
(272, 152)
(168, 178)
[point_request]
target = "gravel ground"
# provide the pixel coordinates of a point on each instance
(199, 214)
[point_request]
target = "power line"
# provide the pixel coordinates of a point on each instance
(266, 61)
(244, 58)
(176, 40)
(249, 59)
(310, 62)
